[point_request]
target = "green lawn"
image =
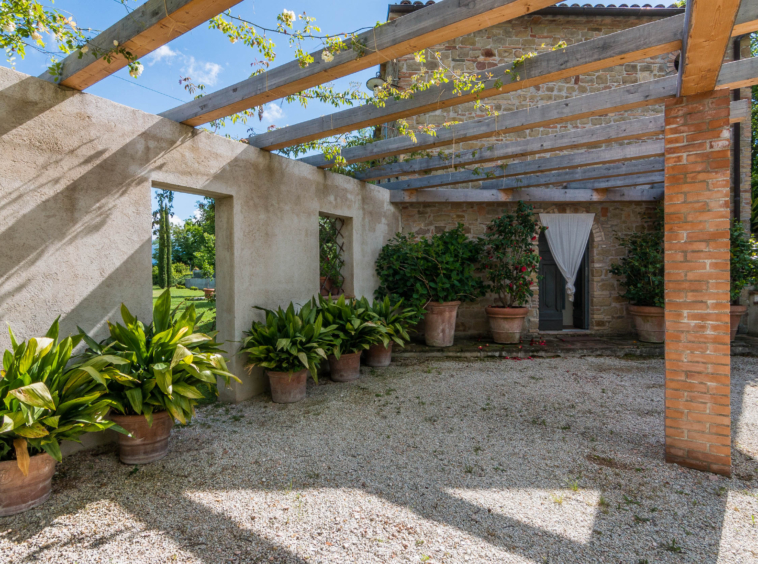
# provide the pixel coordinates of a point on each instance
(205, 308)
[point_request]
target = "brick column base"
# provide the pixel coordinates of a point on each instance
(696, 259)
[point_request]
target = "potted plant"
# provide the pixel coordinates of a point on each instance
(510, 261)
(642, 277)
(162, 368)
(395, 321)
(288, 345)
(436, 273)
(41, 404)
(743, 271)
(355, 329)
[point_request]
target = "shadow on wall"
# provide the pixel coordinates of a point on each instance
(34, 96)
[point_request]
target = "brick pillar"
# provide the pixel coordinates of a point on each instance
(697, 281)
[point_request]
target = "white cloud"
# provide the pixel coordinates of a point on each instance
(272, 113)
(164, 52)
(176, 221)
(202, 72)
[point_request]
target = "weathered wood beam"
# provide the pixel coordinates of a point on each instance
(747, 18)
(707, 29)
(434, 24)
(640, 42)
(622, 131)
(739, 111)
(739, 74)
(642, 167)
(590, 105)
(621, 154)
(646, 193)
(153, 24)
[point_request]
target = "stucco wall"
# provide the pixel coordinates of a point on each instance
(75, 214)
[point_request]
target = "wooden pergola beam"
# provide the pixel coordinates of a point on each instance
(707, 29)
(600, 103)
(632, 44)
(597, 157)
(148, 27)
(644, 193)
(434, 24)
(747, 18)
(622, 131)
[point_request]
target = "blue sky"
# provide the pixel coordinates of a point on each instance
(209, 57)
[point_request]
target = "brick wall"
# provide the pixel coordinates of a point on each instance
(697, 281)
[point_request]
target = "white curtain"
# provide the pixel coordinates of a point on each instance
(567, 236)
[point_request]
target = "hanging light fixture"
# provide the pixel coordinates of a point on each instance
(375, 82)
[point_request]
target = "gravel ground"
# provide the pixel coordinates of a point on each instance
(553, 460)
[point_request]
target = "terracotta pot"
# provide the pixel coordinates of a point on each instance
(147, 444)
(379, 356)
(288, 387)
(506, 323)
(18, 492)
(209, 292)
(325, 286)
(439, 323)
(650, 323)
(347, 368)
(735, 316)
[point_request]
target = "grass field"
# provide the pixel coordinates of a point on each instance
(205, 308)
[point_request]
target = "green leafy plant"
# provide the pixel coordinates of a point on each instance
(642, 267)
(288, 341)
(744, 261)
(509, 257)
(162, 364)
(355, 328)
(44, 403)
(395, 319)
(437, 269)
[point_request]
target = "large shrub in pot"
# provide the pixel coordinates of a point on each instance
(509, 258)
(743, 261)
(440, 268)
(641, 270)
(42, 402)
(164, 364)
(355, 327)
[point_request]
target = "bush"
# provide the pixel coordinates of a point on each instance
(642, 267)
(509, 257)
(180, 272)
(194, 288)
(438, 269)
(180, 287)
(744, 261)
(156, 276)
(396, 321)
(354, 328)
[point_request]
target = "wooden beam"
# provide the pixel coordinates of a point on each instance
(434, 24)
(632, 44)
(645, 193)
(707, 30)
(747, 18)
(622, 131)
(153, 24)
(622, 154)
(631, 169)
(739, 74)
(590, 105)
(739, 111)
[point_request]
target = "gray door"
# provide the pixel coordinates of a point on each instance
(552, 290)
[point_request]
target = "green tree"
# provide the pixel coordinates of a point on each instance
(186, 240)
(206, 257)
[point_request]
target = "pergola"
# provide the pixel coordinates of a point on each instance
(689, 168)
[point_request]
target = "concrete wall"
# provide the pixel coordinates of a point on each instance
(75, 215)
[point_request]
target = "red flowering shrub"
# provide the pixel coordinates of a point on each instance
(510, 259)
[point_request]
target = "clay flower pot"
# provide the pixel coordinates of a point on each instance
(379, 356)
(325, 286)
(735, 315)
(439, 329)
(147, 444)
(209, 292)
(650, 323)
(347, 368)
(506, 323)
(287, 387)
(18, 492)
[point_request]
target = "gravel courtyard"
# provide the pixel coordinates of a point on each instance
(545, 461)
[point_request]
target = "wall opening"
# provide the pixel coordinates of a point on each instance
(184, 253)
(335, 255)
(557, 312)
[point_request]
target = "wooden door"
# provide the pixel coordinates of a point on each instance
(552, 290)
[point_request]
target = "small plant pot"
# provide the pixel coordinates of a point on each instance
(506, 323)
(650, 323)
(325, 286)
(288, 387)
(19, 493)
(209, 293)
(439, 327)
(379, 356)
(147, 444)
(347, 368)
(735, 316)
